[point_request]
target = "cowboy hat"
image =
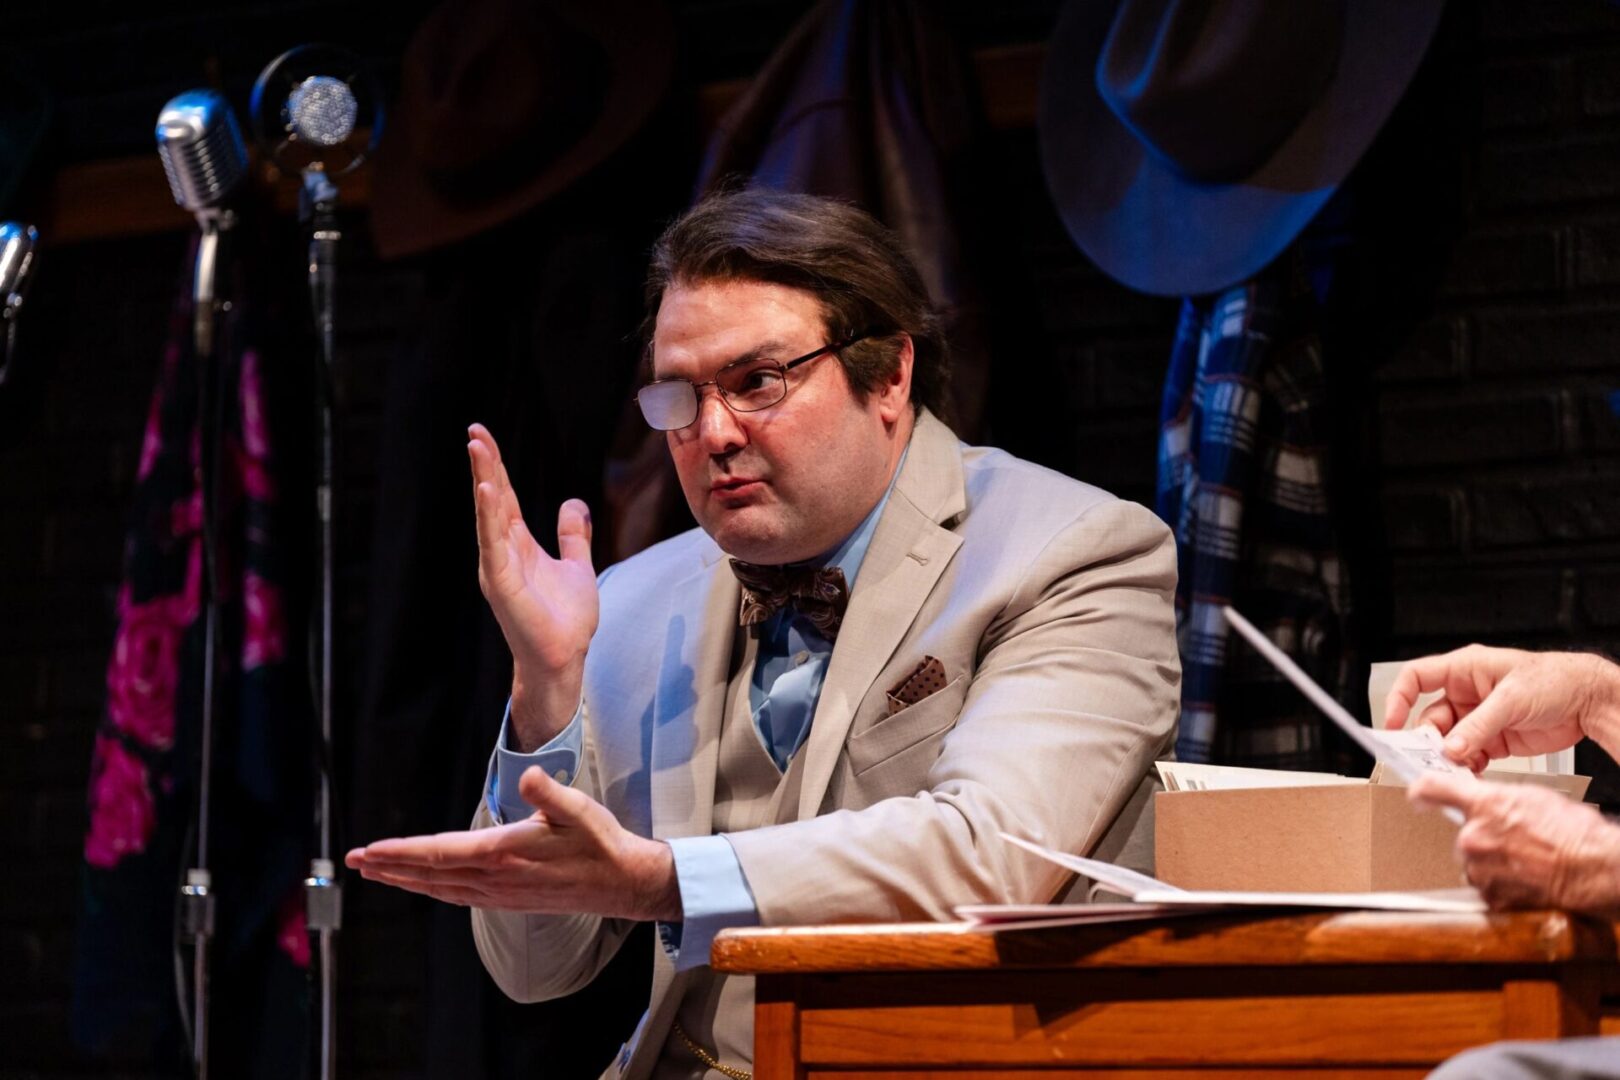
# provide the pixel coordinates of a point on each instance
(1187, 142)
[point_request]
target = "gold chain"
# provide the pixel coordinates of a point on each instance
(709, 1059)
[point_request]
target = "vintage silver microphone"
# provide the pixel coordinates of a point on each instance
(205, 159)
(17, 244)
(317, 109)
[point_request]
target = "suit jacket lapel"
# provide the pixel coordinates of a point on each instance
(689, 701)
(909, 552)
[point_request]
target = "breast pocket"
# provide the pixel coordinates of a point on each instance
(910, 727)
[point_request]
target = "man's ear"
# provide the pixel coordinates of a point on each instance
(894, 392)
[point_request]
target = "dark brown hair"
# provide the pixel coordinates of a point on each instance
(850, 261)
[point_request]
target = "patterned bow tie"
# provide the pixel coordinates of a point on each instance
(819, 595)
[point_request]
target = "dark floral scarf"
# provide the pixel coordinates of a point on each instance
(142, 795)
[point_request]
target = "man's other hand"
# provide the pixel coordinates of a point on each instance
(1528, 847)
(570, 856)
(1508, 702)
(547, 608)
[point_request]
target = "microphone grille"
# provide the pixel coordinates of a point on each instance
(322, 110)
(202, 149)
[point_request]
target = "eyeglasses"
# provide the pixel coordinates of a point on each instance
(745, 386)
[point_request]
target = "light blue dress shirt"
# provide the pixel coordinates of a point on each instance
(789, 667)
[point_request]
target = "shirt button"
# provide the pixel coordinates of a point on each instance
(561, 776)
(801, 658)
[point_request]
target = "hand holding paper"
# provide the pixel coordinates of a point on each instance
(1508, 702)
(1530, 847)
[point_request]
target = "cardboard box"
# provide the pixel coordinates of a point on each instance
(1354, 837)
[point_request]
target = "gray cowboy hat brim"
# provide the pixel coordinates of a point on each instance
(1158, 231)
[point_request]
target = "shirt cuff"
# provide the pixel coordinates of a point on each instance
(559, 757)
(714, 896)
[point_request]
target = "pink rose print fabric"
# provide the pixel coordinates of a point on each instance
(122, 814)
(142, 795)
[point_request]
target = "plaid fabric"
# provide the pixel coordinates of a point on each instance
(1242, 481)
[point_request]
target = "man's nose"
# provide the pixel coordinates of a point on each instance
(719, 427)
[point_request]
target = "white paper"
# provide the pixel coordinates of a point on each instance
(1115, 878)
(1423, 747)
(1036, 916)
(1447, 901)
(1147, 890)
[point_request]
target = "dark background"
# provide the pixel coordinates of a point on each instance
(1478, 351)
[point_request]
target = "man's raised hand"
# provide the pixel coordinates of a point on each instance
(547, 608)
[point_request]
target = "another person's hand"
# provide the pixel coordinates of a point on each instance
(570, 856)
(547, 608)
(1507, 702)
(1529, 847)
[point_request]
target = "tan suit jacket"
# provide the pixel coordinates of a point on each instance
(1050, 604)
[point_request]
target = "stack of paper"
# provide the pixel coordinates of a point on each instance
(1152, 898)
(1187, 776)
(1419, 746)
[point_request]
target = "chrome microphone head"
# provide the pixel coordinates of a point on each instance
(17, 243)
(202, 149)
(322, 110)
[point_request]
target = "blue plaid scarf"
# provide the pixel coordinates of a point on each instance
(1243, 463)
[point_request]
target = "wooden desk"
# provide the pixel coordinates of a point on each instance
(1323, 995)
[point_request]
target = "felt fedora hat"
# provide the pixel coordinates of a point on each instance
(504, 103)
(1187, 142)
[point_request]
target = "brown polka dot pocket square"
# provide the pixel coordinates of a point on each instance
(926, 678)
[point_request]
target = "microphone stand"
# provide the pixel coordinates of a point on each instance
(323, 893)
(9, 348)
(196, 895)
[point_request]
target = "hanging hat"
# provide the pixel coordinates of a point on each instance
(504, 103)
(1186, 142)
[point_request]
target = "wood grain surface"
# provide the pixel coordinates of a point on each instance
(1259, 994)
(1358, 937)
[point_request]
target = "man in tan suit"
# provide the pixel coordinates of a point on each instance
(939, 643)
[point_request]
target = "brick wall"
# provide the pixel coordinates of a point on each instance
(1495, 427)
(1485, 448)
